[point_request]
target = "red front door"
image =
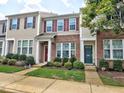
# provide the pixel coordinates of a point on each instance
(46, 53)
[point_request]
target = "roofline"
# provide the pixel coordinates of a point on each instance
(3, 20)
(35, 12)
(63, 15)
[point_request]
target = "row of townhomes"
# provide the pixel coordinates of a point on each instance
(48, 35)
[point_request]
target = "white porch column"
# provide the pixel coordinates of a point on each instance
(6, 47)
(49, 50)
(37, 52)
(82, 51)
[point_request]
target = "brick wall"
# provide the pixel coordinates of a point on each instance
(105, 35)
(66, 38)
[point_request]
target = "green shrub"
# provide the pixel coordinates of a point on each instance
(5, 61)
(118, 65)
(15, 56)
(50, 64)
(65, 60)
(73, 59)
(78, 65)
(68, 65)
(12, 61)
(103, 63)
(1, 59)
(22, 57)
(57, 64)
(30, 60)
(9, 56)
(57, 59)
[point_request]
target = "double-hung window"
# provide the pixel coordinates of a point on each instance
(30, 46)
(19, 47)
(72, 24)
(106, 49)
(25, 47)
(65, 50)
(73, 49)
(60, 25)
(29, 22)
(113, 49)
(14, 23)
(49, 26)
(58, 49)
(117, 49)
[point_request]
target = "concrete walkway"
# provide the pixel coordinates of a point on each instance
(23, 72)
(24, 84)
(92, 76)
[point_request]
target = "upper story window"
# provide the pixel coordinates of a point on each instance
(14, 23)
(49, 26)
(72, 23)
(29, 22)
(60, 25)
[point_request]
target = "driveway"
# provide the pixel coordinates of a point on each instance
(23, 84)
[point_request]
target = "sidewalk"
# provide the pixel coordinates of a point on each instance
(24, 84)
(92, 76)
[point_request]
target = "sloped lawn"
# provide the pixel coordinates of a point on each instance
(108, 79)
(75, 75)
(10, 69)
(4, 91)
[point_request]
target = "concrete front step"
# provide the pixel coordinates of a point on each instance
(90, 68)
(40, 65)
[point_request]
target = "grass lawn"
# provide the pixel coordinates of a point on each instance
(10, 69)
(75, 75)
(4, 91)
(109, 81)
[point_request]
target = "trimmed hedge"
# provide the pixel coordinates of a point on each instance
(68, 65)
(78, 65)
(30, 60)
(57, 59)
(118, 65)
(103, 63)
(57, 64)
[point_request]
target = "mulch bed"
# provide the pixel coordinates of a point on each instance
(113, 74)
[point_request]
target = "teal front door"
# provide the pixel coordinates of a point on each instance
(88, 54)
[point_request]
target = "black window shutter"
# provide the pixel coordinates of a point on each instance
(10, 25)
(25, 23)
(18, 23)
(3, 28)
(34, 21)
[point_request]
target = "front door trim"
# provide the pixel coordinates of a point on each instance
(45, 52)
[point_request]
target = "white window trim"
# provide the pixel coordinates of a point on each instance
(75, 24)
(27, 46)
(111, 49)
(28, 22)
(63, 26)
(69, 49)
(51, 26)
(14, 24)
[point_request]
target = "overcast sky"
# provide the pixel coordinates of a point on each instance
(56, 6)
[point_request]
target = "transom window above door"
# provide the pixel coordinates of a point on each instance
(49, 26)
